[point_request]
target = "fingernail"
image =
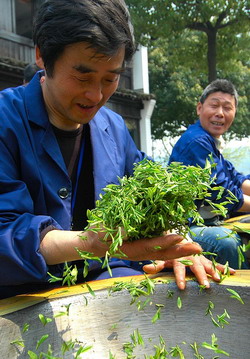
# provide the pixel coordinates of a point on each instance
(181, 285)
(206, 283)
(217, 276)
(196, 243)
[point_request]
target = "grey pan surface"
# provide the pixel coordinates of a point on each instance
(106, 321)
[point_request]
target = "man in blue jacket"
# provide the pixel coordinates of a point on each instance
(60, 146)
(216, 110)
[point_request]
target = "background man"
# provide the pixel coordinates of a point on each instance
(216, 110)
(29, 71)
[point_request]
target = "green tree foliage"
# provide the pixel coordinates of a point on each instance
(177, 88)
(190, 43)
(162, 18)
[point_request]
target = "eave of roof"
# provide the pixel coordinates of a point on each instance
(11, 65)
(133, 95)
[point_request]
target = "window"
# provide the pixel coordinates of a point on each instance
(126, 79)
(24, 17)
(24, 12)
(133, 127)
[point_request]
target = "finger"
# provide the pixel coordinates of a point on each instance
(178, 268)
(167, 246)
(146, 250)
(155, 267)
(213, 270)
(150, 249)
(179, 250)
(199, 271)
(180, 274)
(221, 268)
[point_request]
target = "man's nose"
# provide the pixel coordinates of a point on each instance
(94, 93)
(220, 112)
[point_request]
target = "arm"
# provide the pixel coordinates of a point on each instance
(246, 196)
(246, 187)
(246, 204)
(59, 246)
(20, 229)
(21, 261)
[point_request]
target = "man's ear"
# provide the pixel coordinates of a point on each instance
(39, 60)
(198, 108)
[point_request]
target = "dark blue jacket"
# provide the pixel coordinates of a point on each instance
(194, 147)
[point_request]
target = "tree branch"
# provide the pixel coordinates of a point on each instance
(235, 21)
(221, 17)
(197, 26)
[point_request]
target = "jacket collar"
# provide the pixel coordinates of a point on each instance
(34, 103)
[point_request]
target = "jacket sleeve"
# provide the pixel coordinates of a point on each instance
(20, 229)
(133, 155)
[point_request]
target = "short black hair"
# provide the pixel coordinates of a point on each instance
(220, 85)
(29, 71)
(104, 24)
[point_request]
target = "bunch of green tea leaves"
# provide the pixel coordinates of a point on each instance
(155, 199)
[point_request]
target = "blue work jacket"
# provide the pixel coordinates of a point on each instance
(194, 147)
(32, 172)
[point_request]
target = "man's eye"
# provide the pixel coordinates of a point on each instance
(113, 79)
(82, 80)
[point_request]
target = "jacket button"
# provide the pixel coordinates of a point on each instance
(63, 193)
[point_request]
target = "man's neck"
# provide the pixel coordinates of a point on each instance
(220, 143)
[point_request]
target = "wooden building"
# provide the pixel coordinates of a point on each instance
(132, 99)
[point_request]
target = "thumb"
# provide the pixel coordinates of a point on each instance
(157, 266)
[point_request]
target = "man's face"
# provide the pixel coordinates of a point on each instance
(217, 113)
(82, 83)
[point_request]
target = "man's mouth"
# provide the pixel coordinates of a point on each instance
(84, 106)
(215, 123)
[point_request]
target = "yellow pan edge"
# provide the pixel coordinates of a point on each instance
(13, 304)
(237, 219)
(237, 226)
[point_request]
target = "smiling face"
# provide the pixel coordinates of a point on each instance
(217, 113)
(81, 84)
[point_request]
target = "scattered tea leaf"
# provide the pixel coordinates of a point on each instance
(44, 320)
(179, 302)
(19, 342)
(235, 295)
(41, 340)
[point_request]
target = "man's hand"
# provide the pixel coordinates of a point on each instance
(201, 267)
(168, 246)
